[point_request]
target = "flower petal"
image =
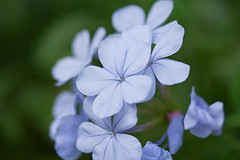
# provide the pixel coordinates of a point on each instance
(53, 128)
(198, 101)
(201, 131)
(67, 68)
(126, 118)
(161, 31)
(191, 117)
(93, 80)
(112, 52)
(217, 112)
(170, 72)
(128, 16)
(109, 101)
(170, 43)
(80, 45)
(136, 88)
(89, 136)
(127, 147)
(175, 134)
(97, 38)
(200, 111)
(137, 58)
(64, 104)
(105, 150)
(118, 147)
(159, 12)
(87, 106)
(189, 120)
(151, 151)
(137, 33)
(149, 72)
(66, 137)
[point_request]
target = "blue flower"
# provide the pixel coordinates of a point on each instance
(202, 120)
(69, 67)
(120, 80)
(151, 151)
(175, 134)
(64, 105)
(105, 137)
(166, 71)
(132, 15)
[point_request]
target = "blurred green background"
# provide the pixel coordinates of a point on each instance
(35, 33)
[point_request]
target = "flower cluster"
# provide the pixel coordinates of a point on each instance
(102, 108)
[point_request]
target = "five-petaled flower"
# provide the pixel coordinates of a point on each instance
(166, 71)
(105, 137)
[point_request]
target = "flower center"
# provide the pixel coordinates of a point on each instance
(150, 63)
(112, 133)
(121, 79)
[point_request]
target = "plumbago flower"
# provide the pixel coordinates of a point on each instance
(119, 80)
(202, 120)
(132, 15)
(166, 71)
(105, 136)
(69, 67)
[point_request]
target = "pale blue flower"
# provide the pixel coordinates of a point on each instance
(151, 151)
(203, 120)
(64, 105)
(83, 51)
(175, 134)
(105, 137)
(132, 15)
(166, 71)
(66, 137)
(119, 80)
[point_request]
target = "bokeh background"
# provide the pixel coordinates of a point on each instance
(35, 33)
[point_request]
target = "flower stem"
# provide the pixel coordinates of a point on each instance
(141, 127)
(162, 139)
